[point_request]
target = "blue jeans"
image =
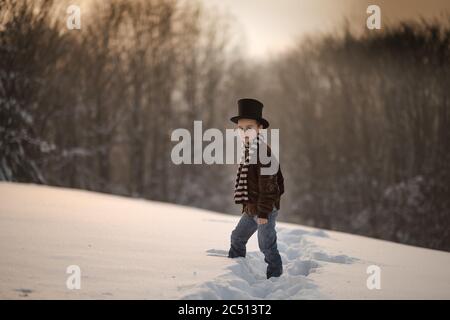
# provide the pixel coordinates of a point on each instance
(267, 241)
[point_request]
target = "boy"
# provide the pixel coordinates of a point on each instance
(258, 193)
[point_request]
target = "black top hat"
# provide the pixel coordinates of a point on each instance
(250, 109)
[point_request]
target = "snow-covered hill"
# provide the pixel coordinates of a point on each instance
(129, 248)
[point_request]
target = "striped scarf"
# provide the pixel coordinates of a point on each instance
(240, 187)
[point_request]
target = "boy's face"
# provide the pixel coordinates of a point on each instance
(248, 129)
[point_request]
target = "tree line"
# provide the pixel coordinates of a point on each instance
(364, 119)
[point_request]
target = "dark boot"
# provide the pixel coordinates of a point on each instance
(236, 252)
(274, 272)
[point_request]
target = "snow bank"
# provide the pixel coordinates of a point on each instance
(131, 248)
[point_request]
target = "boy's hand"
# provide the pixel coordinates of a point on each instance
(262, 221)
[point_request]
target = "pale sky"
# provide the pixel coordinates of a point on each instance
(270, 26)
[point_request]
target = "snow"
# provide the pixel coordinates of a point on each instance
(133, 248)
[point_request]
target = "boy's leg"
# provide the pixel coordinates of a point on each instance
(267, 240)
(245, 228)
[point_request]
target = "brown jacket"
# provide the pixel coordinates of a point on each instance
(264, 191)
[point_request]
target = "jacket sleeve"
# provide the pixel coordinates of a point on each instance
(268, 192)
(280, 180)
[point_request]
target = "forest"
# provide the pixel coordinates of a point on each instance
(364, 119)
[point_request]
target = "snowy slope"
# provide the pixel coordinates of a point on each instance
(128, 248)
